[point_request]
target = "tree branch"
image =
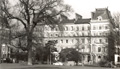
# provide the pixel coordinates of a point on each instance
(12, 17)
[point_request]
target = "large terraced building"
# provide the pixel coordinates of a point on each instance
(89, 36)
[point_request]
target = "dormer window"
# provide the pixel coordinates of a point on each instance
(99, 18)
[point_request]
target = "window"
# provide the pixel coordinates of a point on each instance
(56, 41)
(106, 27)
(88, 33)
(56, 29)
(88, 27)
(72, 40)
(100, 40)
(99, 18)
(104, 49)
(118, 59)
(77, 28)
(61, 41)
(105, 57)
(4, 55)
(106, 34)
(89, 58)
(99, 57)
(99, 49)
(82, 28)
(3, 49)
(66, 28)
(94, 27)
(100, 27)
(106, 40)
(83, 40)
(66, 41)
(51, 35)
(100, 34)
(71, 28)
(82, 34)
(56, 35)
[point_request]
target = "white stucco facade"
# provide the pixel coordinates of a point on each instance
(89, 36)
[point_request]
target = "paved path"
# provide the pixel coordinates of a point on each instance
(19, 66)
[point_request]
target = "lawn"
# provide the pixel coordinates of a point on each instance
(19, 66)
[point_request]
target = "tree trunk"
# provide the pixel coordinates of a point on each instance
(29, 45)
(30, 56)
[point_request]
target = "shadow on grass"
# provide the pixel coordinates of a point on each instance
(39, 68)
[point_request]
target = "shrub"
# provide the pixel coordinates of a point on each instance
(103, 63)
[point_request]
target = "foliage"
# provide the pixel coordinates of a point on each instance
(48, 49)
(33, 12)
(39, 53)
(111, 47)
(70, 54)
(102, 63)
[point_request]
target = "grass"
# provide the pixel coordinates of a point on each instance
(39, 68)
(19, 66)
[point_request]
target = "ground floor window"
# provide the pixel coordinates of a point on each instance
(119, 59)
(99, 57)
(89, 58)
(99, 49)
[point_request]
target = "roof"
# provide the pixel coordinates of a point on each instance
(103, 12)
(83, 21)
(68, 21)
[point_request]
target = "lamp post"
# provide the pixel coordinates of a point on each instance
(1, 29)
(0, 52)
(50, 55)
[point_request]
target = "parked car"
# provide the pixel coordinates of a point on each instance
(80, 63)
(110, 64)
(70, 63)
(58, 63)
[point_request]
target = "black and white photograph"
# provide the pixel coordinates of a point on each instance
(59, 34)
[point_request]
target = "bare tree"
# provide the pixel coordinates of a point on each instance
(33, 12)
(116, 17)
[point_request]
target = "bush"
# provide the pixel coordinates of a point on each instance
(106, 64)
(103, 63)
(8, 60)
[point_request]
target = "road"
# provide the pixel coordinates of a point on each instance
(20, 66)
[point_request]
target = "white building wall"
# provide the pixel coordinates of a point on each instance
(99, 41)
(68, 38)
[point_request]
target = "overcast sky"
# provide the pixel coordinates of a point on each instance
(85, 7)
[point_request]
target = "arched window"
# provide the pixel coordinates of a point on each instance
(66, 28)
(99, 18)
(99, 57)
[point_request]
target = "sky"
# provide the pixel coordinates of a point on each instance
(85, 7)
